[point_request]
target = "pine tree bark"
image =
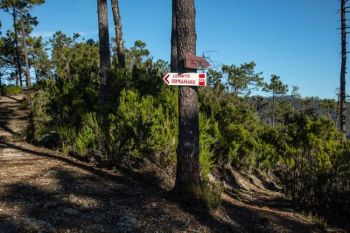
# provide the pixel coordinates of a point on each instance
(187, 173)
(25, 50)
(105, 54)
(273, 109)
(343, 69)
(18, 58)
(118, 34)
(173, 59)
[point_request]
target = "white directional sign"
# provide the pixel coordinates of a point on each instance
(186, 79)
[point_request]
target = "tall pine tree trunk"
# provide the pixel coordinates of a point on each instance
(187, 173)
(343, 69)
(105, 58)
(174, 62)
(118, 34)
(18, 57)
(25, 50)
(273, 109)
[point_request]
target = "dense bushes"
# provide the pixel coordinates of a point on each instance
(40, 119)
(88, 138)
(312, 154)
(305, 149)
(143, 126)
(10, 90)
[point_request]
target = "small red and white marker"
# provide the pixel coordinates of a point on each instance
(186, 79)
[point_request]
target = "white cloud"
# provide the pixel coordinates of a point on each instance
(43, 34)
(91, 33)
(46, 34)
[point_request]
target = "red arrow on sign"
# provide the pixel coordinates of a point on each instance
(165, 79)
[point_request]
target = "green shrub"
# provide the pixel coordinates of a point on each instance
(209, 135)
(39, 118)
(211, 195)
(68, 138)
(10, 90)
(141, 127)
(309, 148)
(89, 136)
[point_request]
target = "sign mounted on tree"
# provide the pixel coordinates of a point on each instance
(186, 79)
(197, 63)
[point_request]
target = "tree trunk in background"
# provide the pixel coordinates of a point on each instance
(187, 173)
(105, 57)
(343, 69)
(338, 108)
(174, 62)
(25, 50)
(118, 34)
(273, 109)
(18, 58)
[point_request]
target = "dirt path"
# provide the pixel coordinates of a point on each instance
(42, 191)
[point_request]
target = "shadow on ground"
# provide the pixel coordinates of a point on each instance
(98, 200)
(8, 112)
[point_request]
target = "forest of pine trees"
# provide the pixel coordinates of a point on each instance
(102, 100)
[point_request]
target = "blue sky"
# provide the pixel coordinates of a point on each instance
(296, 39)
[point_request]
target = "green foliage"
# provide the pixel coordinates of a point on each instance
(68, 137)
(305, 149)
(10, 90)
(309, 147)
(209, 134)
(242, 79)
(137, 55)
(89, 136)
(211, 195)
(20, 3)
(139, 126)
(238, 141)
(7, 53)
(39, 59)
(142, 127)
(23, 22)
(39, 118)
(276, 86)
(214, 78)
(320, 222)
(63, 103)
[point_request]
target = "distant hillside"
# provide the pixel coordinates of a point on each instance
(321, 107)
